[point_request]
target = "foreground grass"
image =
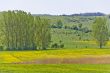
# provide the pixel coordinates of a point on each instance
(7, 57)
(61, 68)
(20, 56)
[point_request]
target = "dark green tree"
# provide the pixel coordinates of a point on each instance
(59, 24)
(43, 33)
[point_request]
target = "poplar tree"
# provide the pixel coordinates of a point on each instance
(22, 31)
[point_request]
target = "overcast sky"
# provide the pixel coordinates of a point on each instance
(56, 6)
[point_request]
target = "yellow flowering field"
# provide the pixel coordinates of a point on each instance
(20, 56)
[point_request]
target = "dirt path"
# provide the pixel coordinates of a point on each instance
(84, 60)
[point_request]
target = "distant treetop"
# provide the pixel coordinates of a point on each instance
(87, 14)
(80, 14)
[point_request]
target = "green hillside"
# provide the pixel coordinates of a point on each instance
(74, 29)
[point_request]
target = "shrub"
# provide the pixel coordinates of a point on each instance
(55, 45)
(62, 46)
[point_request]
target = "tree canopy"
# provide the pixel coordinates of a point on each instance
(22, 31)
(100, 31)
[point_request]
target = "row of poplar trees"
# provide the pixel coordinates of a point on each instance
(22, 31)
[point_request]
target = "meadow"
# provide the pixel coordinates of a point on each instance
(68, 48)
(20, 56)
(53, 68)
(8, 59)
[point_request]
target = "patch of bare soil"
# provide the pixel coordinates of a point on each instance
(85, 60)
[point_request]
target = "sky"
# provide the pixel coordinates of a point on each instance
(56, 7)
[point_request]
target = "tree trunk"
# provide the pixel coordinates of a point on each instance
(100, 45)
(43, 48)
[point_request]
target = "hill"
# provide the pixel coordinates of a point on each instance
(73, 28)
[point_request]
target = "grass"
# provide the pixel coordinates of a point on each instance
(70, 39)
(20, 56)
(7, 57)
(61, 68)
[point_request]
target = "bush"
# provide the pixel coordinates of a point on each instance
(55, 45)
(62, 46)
(1, 48)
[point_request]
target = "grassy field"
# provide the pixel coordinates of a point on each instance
(71, 40)
(9, 57)
(79, 45)
(20, 56)
(63, 68)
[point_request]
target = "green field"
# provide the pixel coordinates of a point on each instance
(9, 57)
(36, 54)
(20, 56)
(63, 68)
(69, 36)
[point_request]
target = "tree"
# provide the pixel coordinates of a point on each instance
(15, 26)
(59, 24)
(22, 31)
(100, 31)
(80, 26)
(43, 37)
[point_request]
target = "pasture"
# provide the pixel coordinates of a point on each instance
(55, 68)
(22, 61)
(69, 48)
(21, 56)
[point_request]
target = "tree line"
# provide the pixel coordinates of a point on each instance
(87, 14)
(22, 31)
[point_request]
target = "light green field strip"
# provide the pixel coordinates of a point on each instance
(60, 68)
